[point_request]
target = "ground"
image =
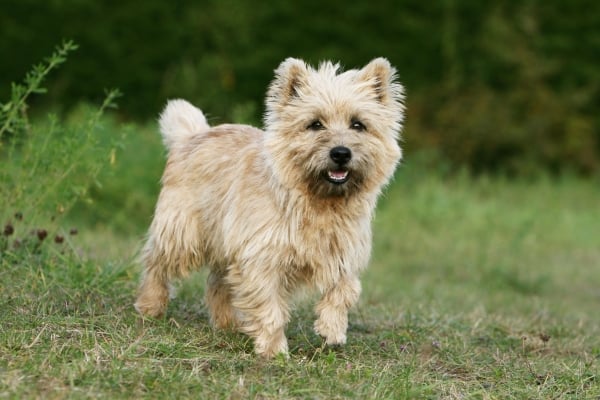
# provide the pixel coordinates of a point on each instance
(479, 287)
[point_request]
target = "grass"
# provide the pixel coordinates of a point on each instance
(478, 288)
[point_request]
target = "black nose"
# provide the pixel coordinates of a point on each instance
(340, 154)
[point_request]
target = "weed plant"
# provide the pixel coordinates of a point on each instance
(48, 165)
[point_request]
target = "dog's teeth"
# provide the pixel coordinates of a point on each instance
(338, 175)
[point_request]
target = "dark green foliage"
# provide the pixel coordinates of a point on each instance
(499, 85)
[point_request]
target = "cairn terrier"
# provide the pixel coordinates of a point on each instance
(268, 211)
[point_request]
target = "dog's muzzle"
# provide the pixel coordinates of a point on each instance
(339, 174)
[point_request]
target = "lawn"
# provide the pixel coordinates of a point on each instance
(478, 288)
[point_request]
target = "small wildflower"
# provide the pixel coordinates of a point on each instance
(59, 239)
(73, 231)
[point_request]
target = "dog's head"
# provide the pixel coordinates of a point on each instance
(334, 133)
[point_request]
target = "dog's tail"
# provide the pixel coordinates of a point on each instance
(180, 120)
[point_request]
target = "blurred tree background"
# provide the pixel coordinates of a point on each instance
(504, 86)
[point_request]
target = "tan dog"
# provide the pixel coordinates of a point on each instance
(270, 210)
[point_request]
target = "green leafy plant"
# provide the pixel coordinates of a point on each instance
(47, 164)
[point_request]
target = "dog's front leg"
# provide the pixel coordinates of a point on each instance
(332, 310)
(261, 302)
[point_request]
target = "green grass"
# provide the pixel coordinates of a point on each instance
(478, 288)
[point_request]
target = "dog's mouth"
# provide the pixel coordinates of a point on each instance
(337, 176)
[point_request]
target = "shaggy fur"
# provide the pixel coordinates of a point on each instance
(268, 211)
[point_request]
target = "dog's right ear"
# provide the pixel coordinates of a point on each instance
(290, 77)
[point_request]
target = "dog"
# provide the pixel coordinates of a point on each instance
(269, 211)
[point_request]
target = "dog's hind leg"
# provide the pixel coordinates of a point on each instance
(153, 295)
(218, 301)
(170, 252)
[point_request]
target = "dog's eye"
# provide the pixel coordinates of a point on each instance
(316, 125)
(357, 125)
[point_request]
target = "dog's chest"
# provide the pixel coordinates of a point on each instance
(331, 242)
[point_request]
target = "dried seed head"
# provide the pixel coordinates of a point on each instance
(59, 239)
(8, 229)
(545, 337)
(41, 234)
(73, 231)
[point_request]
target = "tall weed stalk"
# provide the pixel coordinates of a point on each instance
(47, 164)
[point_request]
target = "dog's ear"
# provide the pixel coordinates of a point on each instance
(381, 76)
(290, 77)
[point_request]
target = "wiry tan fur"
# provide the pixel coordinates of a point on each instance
(255, 208)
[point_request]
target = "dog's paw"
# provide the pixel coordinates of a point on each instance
(270, 346)
(153, 310)
(153, 299)
(225, 321)
(333, 333)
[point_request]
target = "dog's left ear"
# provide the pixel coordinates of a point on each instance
(382, 78)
